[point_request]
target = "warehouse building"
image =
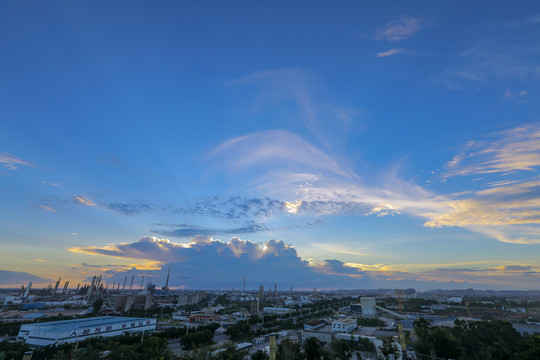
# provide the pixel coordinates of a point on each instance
(57, 332)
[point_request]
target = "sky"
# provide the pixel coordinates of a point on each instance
(308, 144)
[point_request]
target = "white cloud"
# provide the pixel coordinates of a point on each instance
(274, 146)
(11, 162)
(517, 149)
(48, 208)
(508, 94)
(389, 52)
(80, 199)
(51, 183)
(290, 169)
(400, 29)
(193, 265)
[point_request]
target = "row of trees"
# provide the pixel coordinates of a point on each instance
(476, 340)
(119, 347)
(312, 349)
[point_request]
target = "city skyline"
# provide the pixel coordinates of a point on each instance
(310, 144)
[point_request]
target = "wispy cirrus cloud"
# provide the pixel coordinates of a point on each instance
(48, 208)
(83, 200)
(508, 94)
(317, 185)
(278, 89)
(389, 52)
(517, 149)
(51, 183)
(399, 29)
(505, 59)
(12, 162)
(275, 146)
(508, 206)
(189, 231)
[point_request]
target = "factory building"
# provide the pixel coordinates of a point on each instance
(314, 325)
(368, 306)
(57, 332)
(344, 325)
(125, 303)
(355, 307)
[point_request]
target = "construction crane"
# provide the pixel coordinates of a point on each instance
(402, 341)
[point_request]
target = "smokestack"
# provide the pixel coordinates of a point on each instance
(167, 283)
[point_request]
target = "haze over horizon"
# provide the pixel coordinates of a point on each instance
(308, 144)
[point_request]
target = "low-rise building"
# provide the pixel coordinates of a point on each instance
(314, 325)
(58, 332)
(344, 325)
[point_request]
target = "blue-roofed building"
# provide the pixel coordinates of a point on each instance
(57, 332)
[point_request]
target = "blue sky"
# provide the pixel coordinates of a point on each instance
(308, 144)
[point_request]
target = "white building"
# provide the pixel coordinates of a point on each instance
(368, 306)
(344, 325)
(57, 332)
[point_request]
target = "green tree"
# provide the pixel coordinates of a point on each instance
(313, 350)
(98, 303)
(259, 355)
(239, 331)
(389, 347)
(341, 349)
(529, 348)
(289, 350)
(154, 347)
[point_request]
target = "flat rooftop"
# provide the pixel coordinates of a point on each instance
(69, 325)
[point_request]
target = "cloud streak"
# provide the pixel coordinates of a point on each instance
(11, 162)
(315, 184)
(389, 52)
(8, 277)
(517, 149)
